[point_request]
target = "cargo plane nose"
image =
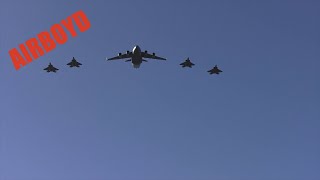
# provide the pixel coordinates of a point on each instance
(136, 49)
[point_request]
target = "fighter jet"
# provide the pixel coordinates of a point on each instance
(74, 63)
(214, 70)
(136, 56)
(51, 68)
(187, 63)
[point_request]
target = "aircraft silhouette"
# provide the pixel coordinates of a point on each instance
(214, 70)
(136, 56)
(74, 63)
(51, 68)
(187, 63)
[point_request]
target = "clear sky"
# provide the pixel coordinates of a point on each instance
(259, 119)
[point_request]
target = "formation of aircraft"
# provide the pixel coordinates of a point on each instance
(73, 63)
(136, 57)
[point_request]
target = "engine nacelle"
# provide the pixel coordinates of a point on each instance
(119, 54)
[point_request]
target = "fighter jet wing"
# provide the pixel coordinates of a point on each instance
(184, 63)
(69, 64)
(122, 56)
(151, 56)
(216, 69)
(46, 69)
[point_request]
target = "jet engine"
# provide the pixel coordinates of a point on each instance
(119, 54)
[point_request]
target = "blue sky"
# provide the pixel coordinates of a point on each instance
(259, 119)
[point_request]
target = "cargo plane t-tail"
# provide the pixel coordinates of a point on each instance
(136, 56)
